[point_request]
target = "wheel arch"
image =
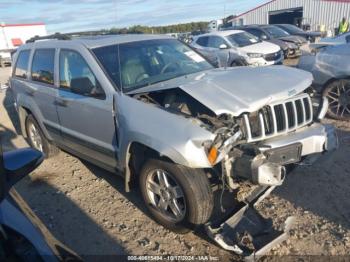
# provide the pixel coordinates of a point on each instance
(333, 79)
(136, 155)
(23, 112)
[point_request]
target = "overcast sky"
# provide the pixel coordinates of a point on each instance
(74, 15)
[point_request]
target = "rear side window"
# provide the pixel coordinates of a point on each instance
(202, 41)
(43, 66)
(216, 42)
(22, 64)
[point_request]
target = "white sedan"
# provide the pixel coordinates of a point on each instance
(237, 48)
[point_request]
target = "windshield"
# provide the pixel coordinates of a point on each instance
(293, 29)
(276, 32)
(142, 63)
(242, 39)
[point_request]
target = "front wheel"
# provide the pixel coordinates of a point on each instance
(179, 198)
(338, 94)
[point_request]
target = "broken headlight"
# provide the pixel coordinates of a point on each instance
(224, 141)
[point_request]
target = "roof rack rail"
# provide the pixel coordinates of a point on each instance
(57, 36)
(89, 33)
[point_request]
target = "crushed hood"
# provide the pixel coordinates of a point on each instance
(244, 89)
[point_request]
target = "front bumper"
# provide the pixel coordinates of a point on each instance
(267, 166)
(316, 138)
(243, 230)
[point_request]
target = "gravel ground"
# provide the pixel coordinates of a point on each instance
(87, 208)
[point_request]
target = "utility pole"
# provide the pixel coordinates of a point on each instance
(224, 11)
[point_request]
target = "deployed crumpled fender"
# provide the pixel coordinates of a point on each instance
(176, 137)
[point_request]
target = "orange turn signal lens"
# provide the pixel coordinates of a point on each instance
(213, 155)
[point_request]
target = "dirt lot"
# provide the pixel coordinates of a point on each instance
(88, 209)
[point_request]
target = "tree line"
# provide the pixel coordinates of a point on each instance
(177, 28)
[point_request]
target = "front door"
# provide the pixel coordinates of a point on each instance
(85, 111)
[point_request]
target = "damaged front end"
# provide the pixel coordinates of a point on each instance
(255, 148)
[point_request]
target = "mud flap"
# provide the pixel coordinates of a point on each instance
(245, 232)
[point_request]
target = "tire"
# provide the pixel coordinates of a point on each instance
(45, 146)
(196, 205)
(338, 94)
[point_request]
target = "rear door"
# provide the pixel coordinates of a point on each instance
(202, 47)
(85, 111)
(38, 91)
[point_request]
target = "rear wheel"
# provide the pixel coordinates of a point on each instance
(338, 94)
(179, 198)
(36, 138)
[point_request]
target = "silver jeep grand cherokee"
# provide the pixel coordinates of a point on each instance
(152, 109)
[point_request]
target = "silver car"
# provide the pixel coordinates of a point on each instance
(330, 67)
(153, 110)
(237, 48)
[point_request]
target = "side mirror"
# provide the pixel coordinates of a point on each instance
(223, 46)
(81, 86)
(84, 86)
(18, 164)
(264, 37)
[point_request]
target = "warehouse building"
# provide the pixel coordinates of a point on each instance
(14, 35)
(318, 15)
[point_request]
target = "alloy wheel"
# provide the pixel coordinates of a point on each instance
(35, 137)
(166, 195)
(339, 98)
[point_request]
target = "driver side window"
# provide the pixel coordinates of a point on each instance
(77, 77)
(216, 41)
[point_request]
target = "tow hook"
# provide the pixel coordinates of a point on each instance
(245, 231)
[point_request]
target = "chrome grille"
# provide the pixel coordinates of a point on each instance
(278, 118)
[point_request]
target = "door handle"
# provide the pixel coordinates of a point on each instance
(61, 102)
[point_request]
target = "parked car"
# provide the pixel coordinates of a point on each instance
(288, 43)
(327, 41)
(23, 237)
(236, 48)
(294, 30)
(331, 70)
(5, 61)
(151, 109)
